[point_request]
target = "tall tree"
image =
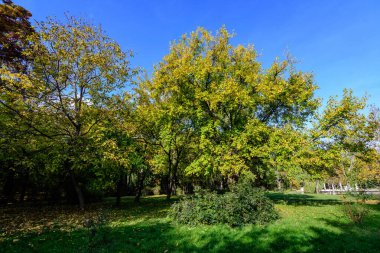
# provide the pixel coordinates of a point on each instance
(76, 71)
(231, 103)
(346, 136)
(14, 138)
(164, 125)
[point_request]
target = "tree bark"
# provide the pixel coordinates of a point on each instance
(118, 191)
(278, 180)
(78, 191)
(8, 189)
(140, 185)
(24, 186)
(169, 178)
(316, 186)
(168, 187)
(172, 180)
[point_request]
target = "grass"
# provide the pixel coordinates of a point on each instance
(308, 223)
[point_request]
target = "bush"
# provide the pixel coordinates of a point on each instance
(149, 190)
(355, 211)
(243, 205)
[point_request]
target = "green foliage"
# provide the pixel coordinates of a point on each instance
(354, 207)
(355, 211)
(344, 138)
(209, 112)
(243, 205)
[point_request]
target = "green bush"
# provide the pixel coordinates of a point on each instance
(243, 205)
(355, 211)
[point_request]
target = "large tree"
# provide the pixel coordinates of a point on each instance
(346, 137)
(76, 71)
(230, 102)
(16, 145)
(164, 125)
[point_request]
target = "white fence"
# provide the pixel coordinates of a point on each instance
(342, 191)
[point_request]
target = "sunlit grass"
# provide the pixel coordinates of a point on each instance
(308, 223)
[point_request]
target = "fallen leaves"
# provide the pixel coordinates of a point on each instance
(21, 219)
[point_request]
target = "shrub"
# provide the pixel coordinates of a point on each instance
(149, 190)
(355, 211)
(243, 205)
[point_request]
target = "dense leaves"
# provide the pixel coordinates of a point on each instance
(14, 29)
(243, 205)
(78, 121)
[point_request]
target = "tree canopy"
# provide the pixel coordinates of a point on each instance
(78, 121)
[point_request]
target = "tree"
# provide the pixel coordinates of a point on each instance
(229, 102)
(345, 136)
(17, 146)
(164, 126)
(76, 71)
(15, 27)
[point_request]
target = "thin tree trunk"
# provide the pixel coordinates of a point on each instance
(118, 191)
(140, 185)
(78, 191)
(278, 180)
(8, 189)
(172, 181)
(24, 186)
(169, 178)
(317, 186)
(168, 188)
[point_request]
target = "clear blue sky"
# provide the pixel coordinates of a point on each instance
(339, 41)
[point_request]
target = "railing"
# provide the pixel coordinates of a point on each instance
(342, 191)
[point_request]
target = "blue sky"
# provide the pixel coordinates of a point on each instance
(338, 41)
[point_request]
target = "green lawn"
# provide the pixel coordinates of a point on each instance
(308, 223)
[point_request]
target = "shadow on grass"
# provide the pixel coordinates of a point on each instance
(160, 235)
(303, 199)
(144, 228)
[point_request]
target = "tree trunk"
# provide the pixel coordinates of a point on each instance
(78, 191)
(140, 185)
(8, 189)
(168, 188)
(316, 186)
(118, 191)
(169, 178)
(278, 180)
(24, 186)
(172, 180)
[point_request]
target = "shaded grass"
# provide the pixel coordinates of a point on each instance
(304, 199)
(308, 223)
